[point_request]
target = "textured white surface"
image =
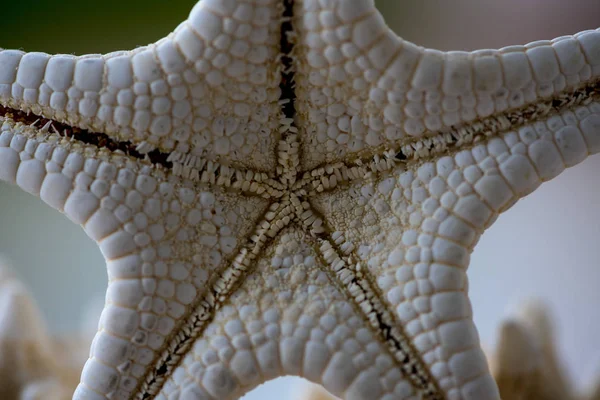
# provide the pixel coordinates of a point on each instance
(555, 222)
(409, 227)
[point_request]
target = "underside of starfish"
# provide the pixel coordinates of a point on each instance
(285, 187)
(524, 363)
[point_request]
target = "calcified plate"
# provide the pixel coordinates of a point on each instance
(287, 188)
(525, 363)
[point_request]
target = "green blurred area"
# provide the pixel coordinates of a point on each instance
(75, 26)
(79, 27)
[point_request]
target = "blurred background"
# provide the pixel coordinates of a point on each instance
(545, 247)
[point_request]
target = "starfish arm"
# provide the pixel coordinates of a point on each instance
(416, 152)
(289, 317)
(165, 244)
(415, 225)
(208, 90)
(362, 89)
(159, 289)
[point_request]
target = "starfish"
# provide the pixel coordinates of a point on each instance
(286, 187)
(525, 363)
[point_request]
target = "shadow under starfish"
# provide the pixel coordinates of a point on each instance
(287, 187)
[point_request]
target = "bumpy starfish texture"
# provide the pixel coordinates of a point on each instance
(287, 188)
(525, 363)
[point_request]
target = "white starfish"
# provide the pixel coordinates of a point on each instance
(525, 363)
(287, 188)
